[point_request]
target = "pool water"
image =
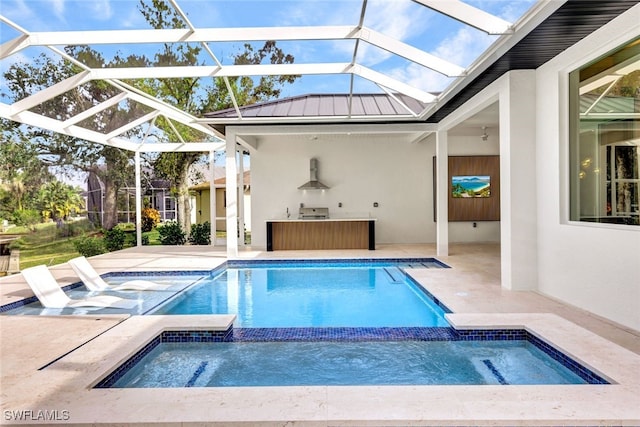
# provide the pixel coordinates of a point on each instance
(299, 295)
(228, 364)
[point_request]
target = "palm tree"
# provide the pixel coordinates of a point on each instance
(57, 200)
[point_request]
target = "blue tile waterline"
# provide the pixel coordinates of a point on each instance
(351, 335)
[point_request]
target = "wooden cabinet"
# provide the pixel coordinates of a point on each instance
(320, 234)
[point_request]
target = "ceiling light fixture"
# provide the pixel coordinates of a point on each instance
(484, 135)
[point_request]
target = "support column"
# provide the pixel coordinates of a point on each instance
(232, 194)
(241, 197)
(212, 196)
(518, 205)
(442, 194)
(136, 159)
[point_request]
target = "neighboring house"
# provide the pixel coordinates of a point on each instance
(201, 199)
(158, 194)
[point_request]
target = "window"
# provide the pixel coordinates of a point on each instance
(605, 138)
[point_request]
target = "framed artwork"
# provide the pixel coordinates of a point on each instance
(473, 188)
(469, 186)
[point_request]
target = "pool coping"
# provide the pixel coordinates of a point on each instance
(73, 377)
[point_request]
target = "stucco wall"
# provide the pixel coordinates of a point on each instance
(595, 267)
(360, 170)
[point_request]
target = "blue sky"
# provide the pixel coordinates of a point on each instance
(405, 20)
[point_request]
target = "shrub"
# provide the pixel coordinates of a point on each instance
(145, 240)
(89, 246)
(150, 219)
(171, 234)
(114, 239)
(200, 234)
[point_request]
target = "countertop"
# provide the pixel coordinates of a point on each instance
(337, 219)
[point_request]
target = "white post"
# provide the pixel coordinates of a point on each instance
(212, 196)
(442, 194)
(518, 206)
(241, 197)
(232, 194)
(136, 158)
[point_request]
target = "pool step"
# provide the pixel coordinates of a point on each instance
(196, 374)
(492, 368)
(395, 275)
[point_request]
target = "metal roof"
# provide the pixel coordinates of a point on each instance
(332, 107)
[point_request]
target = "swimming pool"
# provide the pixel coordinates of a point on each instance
(314, 294)
(416, 357)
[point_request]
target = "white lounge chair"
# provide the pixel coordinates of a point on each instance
(51, 295)
(94, 282)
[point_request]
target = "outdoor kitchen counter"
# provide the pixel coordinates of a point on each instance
(313, 234)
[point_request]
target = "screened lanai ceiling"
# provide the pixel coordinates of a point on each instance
(417, 54)
(396, 48)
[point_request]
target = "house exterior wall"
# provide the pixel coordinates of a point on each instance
(203, 208)
(593, 266)
(360, 170)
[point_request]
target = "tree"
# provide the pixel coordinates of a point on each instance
(58, 200)
(190, 95)
(112, 165)
(21, 171)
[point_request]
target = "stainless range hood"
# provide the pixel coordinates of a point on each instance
(313, 183)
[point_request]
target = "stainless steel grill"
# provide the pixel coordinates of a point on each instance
(313, 213)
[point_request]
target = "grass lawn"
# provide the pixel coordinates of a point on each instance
(51, 245)
(43, 246)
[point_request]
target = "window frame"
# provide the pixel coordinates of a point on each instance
(570, 125)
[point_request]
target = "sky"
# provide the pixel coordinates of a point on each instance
(405, 20)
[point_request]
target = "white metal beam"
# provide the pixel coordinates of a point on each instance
(132, 124)
(393, 84)
(173, 147)
(469, 15)
(409, 52)
(37, 120)
(165, 109)
(245, 34)
(15, 45)
(50, 92)
(138, 169)
(215, 71)
(94, 110)
(185, 35)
